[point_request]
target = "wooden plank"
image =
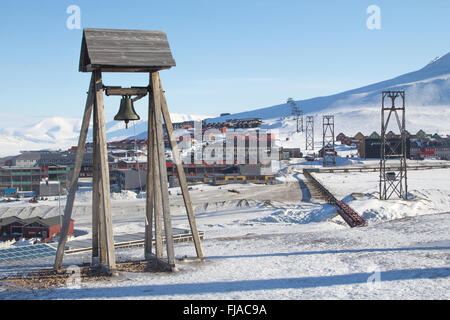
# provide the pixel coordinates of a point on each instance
(133, 91)
(76, 172)
(99, 33)
(130, 45)
(157, 201)
(95, 198)
(131, 69)
(101, 237)
(123, 58)
(149, 193)
(181, 175)
(163, 169)
(125, 48)
(105, 196)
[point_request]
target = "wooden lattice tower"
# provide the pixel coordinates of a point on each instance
(297, 112)
(309, 133)
(393, 179)
(129, 51)
(329, 153)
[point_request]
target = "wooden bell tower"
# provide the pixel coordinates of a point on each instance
(107, 50)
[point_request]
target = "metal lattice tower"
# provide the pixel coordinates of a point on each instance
(329, 154)
(297, 112)
(393, 179)
(309, 133)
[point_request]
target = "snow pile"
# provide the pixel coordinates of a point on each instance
(6, 244)
(25, 242)
(428, 193)
(123, 195)
(84, 196)
(421, 202)
(302, 214)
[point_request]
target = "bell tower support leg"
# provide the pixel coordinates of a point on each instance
(150, 202)
(162, 168)
(104, 191)
(181, 175)
(75, 174)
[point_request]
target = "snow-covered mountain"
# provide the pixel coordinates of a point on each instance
(50, 133)
(115, 130)
(62, 133)
(427, 102)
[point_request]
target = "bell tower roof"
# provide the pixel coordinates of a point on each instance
(116, 50)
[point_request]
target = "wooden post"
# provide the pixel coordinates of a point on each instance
(157, 205)
(76, 172)
(96, 193)
(162, 169)
(181, 175)
(150, 192)
(95, 197)
(105, 197)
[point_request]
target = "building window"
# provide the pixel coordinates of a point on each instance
(17, 230)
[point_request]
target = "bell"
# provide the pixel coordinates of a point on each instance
(126, 111)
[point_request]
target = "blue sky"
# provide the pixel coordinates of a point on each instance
(231, 55)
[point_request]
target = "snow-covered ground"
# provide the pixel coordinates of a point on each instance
(406, 259)
(273, 242)
(428, 193)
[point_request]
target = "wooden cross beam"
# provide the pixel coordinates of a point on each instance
(119, 91)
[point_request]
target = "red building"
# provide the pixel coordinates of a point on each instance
(36, 227)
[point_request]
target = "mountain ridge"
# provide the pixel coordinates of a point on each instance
(427, 101)
(435, 73)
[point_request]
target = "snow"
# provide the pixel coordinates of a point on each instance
(302, 263)
(428, 193)
(276, 241)
(427, 105)
(272, 242)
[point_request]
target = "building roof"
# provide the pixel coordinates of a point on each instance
(28, 156)
(8, 220)
(49, 222)
(114, 50)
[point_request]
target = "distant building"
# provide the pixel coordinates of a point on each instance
(374, 135)
(36, 227)
(50, 189)
(371, 148)
(340, 136)
(359, 136)
(27, 159)
(289, 153)
(29, 179)
(129, 179)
